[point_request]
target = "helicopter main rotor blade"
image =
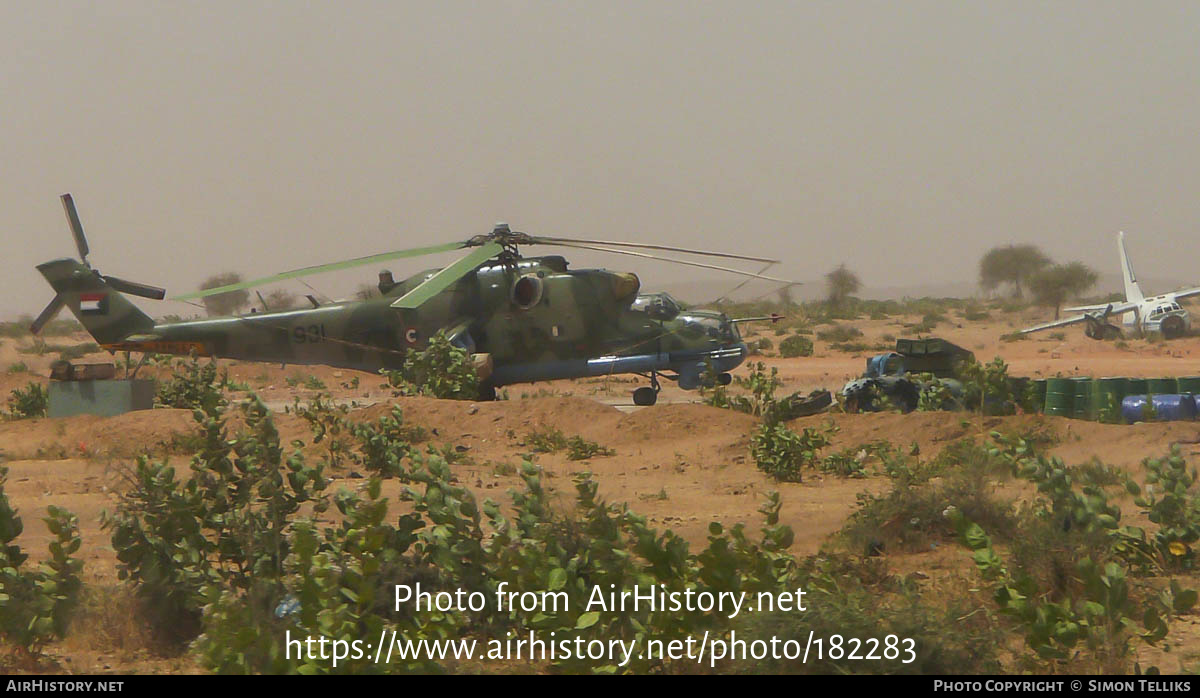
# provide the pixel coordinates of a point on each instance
(133, 288)
(645, 246)
(321, 268)
(682, 261)
(76, 227)
(55, 305)
(740, 285)
(447, 277)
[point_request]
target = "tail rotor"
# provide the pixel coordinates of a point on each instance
(133, 288)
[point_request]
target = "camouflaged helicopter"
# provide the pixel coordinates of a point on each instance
(523, 319)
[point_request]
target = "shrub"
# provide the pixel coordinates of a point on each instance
(36, 605)
(193, 386)
(760, 402)
(987, 388)
(223, 526)
(229, 551)
(441, 370)
(839, 333)
(853, 600)
(783, 454)
(579, 448)
(794, 346)
(78, 351)
(1069, 581)
(549, 440)
(27, 402)
(915, 512)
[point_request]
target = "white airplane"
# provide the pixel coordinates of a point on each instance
(1161, 314)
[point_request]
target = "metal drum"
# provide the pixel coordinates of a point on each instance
(1060, 397)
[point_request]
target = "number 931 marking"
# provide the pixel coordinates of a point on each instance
(309, 333)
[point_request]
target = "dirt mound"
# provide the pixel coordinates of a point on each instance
(678, 421)
(452, 418)
(88, 435)
(1123, 445)
(931, 431)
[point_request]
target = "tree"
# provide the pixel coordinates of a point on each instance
(1056, 284)
(785, 296)
(1012, 264)
(280, 299)
(224, 303)
(842, 283)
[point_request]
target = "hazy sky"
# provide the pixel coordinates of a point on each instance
(903, 138)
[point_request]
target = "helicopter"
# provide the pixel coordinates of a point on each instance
(523, 319)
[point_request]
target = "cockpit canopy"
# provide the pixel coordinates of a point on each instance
(659, 306)
(715, 325)
(1163, 309)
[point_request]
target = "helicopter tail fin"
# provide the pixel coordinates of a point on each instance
(106, 314)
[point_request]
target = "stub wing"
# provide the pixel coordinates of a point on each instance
(1187, 292)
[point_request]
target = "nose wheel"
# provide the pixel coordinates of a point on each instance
(646, 396)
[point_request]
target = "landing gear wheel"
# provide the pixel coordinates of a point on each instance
(644, 397)
(724, 379)
(1172, 327)
(487, 393)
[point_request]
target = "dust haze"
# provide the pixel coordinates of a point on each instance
(904, 139)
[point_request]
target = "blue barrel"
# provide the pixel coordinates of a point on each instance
(1167, 408)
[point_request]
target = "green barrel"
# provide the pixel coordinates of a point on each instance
(1189, 384)
(1137, 386)
(1107, 394)
(1082, 404)
(1060, 397)
(1163, 386)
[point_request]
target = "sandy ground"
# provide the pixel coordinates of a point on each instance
(682, 464)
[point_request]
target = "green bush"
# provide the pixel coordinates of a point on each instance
(794, 346)
(1068, 586)
(915, 512)
(441, 370)
(36, 604)
(224, 526)
(839, 333)
(193, 386)
(548, 440)
(850, 598)
(579, 448)
(30, 401)
(987, 387)
(783, 454)
(229, 558)
(760, 402)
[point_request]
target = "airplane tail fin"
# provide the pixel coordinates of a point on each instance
(106, 314)
(1133, 292)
